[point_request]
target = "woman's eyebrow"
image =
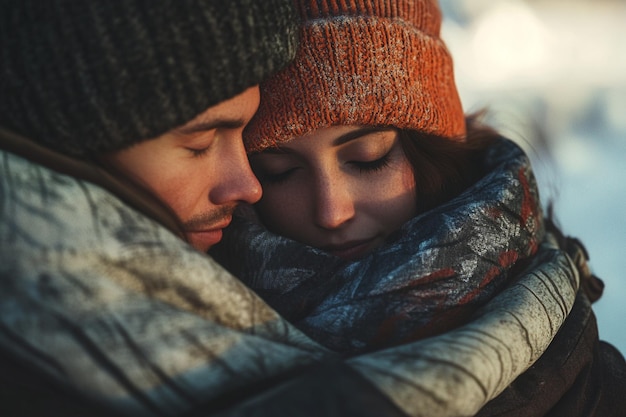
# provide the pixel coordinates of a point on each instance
(346, 137)
(355, 134)
(274, 150)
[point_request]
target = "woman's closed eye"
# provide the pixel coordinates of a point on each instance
(373, 166)
(277, 177)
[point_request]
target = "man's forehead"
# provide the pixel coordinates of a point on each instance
(205, 124)
(233, 113)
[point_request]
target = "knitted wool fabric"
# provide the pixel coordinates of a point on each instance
(100, 75)
(376, 62)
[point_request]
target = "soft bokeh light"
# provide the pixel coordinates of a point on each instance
(552, 74)
(509, 42)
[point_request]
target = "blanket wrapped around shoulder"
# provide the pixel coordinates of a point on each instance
(426, 280)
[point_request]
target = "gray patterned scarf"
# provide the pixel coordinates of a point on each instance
(426, 280)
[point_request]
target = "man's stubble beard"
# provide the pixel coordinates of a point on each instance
(210, 219)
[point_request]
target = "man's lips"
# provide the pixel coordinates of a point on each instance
(203, 239)
(349, 250)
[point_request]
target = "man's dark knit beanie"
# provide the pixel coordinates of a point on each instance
(85, 76)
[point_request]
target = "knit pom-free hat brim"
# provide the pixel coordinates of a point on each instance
(360, 70)
(100, 75)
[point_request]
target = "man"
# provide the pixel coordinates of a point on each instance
(147, 87)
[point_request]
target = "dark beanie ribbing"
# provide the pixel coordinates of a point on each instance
(84, 76)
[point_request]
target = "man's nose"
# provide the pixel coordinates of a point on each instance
(238, 183)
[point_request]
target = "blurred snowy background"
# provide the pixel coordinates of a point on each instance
(552, 74)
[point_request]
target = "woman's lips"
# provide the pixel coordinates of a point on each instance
(350, 250)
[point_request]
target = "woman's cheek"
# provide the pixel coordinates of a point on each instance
(276, 208)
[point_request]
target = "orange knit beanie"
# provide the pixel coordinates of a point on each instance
(362, 62)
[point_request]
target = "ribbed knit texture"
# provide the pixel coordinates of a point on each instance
(362, 63)
(99, 75)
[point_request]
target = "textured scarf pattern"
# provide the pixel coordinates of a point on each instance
(427, 279)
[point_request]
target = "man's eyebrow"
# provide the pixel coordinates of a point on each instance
(202, 126)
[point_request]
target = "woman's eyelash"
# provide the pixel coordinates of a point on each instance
(373, 166)
(362, 166)
(275, 178)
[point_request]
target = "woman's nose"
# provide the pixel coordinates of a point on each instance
(334, 204)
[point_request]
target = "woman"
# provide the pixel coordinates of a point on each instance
(356, 143)
(388, 218)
